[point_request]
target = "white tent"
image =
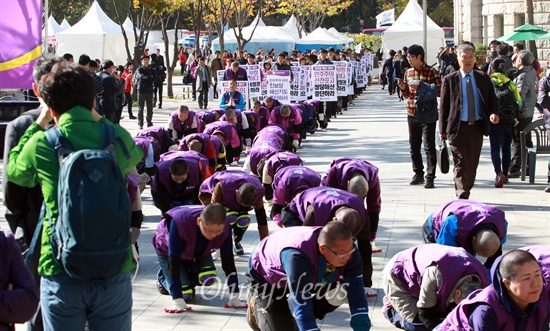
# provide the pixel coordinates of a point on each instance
(129, 26)
(53, 27)
(334, 32)
(65, 25)
(292, 27)
(96, 35)
(319, 38)
(408, 30)
(266, 37)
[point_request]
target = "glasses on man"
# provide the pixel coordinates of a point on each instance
(211, 232)
(342, 255)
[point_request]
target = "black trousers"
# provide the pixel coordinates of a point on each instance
(515, 163)
(419, 133)
(203, 94)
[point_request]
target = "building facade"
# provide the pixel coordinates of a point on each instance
(481, 21)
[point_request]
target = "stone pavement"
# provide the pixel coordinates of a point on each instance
(375, 129)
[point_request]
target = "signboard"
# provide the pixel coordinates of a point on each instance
(324, 82)
(341, 78)
(278, 85)
(254, 79)
(242, 86)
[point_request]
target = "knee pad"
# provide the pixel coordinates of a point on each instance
(243, 221)
(207, 276)
(232, 216)
(188, 292)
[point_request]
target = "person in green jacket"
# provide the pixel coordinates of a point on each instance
(67, 303)
(502, 133)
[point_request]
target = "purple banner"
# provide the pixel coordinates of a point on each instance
(21, 35)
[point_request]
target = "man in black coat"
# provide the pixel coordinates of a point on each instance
(111, 88)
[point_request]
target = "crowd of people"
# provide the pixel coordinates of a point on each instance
(321, 257)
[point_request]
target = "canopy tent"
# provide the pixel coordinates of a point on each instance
(319, 38)
(129, 26)
(526, 32)
(65, 25)
(334, 32)
(96, 35)
(408, 30)
(53, 27)
(266, 37)
(292, 27)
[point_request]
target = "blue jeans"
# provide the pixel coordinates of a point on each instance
(399, 322)
(501, 137)
(67, 303)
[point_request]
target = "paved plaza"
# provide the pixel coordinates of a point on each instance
(374, 129)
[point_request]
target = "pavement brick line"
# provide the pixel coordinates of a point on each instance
(375, 129)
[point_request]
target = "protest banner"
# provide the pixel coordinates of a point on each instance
(254, 79)
(220, 74)
(341, 78)
(349, 73)
(308, 87)
(295, 84)
(242, 86)
(323, 78)
(304, 78)
(278, 85)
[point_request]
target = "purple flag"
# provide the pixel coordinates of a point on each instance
(21, 35)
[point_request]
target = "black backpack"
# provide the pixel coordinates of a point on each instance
(508, 107)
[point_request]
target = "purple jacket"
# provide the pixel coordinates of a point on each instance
(542, 254)
(254, 120)
(186, 221)
(453, 263)
(289, 180)
(264, 116)
(315, 103)
(143, 143)
(231, 75)
(19, 304)
(342, 170)
(276, 103)
(275, 134)
(266, 258)
(211, 145)
(239, 124)
(231, 180)
(470, 214)
(209, 116)
(325, 202)
(187, 124)
(156, 131)
(279, 160)
(225, 128)
(198, 165)
(258, 152)
(290, 122)
(509, 316)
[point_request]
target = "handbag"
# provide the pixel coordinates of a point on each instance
(442, 152)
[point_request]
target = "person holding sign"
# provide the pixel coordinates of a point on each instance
(282, 65)
(235, 73)
(232, 97)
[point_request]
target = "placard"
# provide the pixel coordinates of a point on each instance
(242, 86)
(341, 78)
(254, 79)
(296, 84)
(324, 82)
(278, 85)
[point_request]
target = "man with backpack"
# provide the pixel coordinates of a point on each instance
(89, 287)
(502, 133)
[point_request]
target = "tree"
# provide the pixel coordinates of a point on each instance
(217, 15)
(240, 12)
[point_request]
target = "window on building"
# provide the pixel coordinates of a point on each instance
(499, 26)
(519, 19)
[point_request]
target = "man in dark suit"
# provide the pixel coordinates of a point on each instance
(111, 88)
(468, 104)
(204, 81)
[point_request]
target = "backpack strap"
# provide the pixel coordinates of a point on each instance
(60, 144)
(110, 137)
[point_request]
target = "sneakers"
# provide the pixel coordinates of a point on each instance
(239, 250)
(417, 179)
(500, 180)
(161, 289)
(429, 182)
(370, 293)
(514, 174)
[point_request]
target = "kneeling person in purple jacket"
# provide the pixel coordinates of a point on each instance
(318, 266)
(184, 241)
(516, 301)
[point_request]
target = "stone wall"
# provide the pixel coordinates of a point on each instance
(479, 20)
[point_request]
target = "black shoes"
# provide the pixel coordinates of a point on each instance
(429, 182)
(514, 174)
(239, 250)
(417, 179)
(132, 117)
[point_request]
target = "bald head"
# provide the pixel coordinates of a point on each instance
(195, 145)
(358, 185)
(332, 233)
(486, 243)
(350, 217)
